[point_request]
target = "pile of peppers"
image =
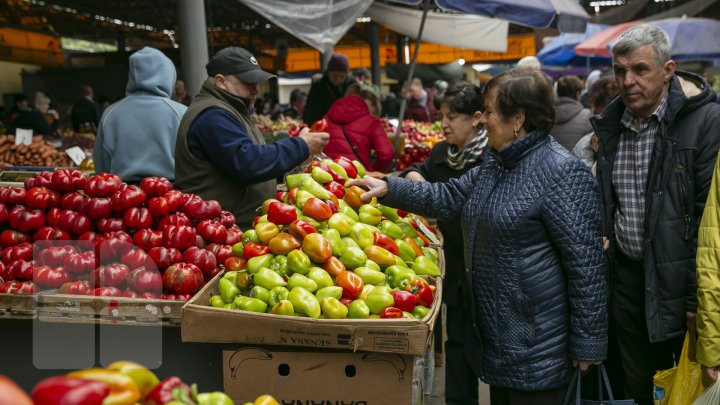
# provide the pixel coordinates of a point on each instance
(319, 251)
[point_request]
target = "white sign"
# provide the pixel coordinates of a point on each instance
(23, 136)
(76, 154)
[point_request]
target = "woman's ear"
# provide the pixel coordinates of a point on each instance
(477, 115)
(519, 120)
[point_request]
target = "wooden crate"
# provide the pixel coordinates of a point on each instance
(16, 306)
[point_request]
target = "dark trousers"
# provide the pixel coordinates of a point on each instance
(461, 383)
(507, 396)
(640, 358)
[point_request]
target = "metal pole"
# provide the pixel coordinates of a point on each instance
(193, 43)
(411, 72)
(375, 53)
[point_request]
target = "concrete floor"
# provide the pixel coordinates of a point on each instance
(438, 392)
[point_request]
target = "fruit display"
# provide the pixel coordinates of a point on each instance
(121, 383)
(319, 251)
(265, 124)
(38, 153)
(99, 236)
(418, 140)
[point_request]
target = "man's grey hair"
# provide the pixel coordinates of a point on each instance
(641, 35)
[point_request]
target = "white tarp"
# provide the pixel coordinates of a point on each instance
(457, 30)
(319, 23)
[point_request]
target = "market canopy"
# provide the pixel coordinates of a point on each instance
(561, 50)
(570, 15)
(456, 30)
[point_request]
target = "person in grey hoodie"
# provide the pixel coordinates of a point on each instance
(136, 135)
(572, 120)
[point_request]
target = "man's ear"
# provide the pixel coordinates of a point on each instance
(669, 70)
(219, 81)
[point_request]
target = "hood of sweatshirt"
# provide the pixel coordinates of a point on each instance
(151, 73)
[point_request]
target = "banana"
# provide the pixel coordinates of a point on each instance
(249, 353)
(397, 361)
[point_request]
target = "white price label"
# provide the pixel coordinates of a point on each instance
(76, 154)
(23, 136)
(428, 233)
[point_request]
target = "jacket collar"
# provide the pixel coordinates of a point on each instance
(209, 88)
(510, 155)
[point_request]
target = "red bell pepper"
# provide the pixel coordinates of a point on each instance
(281, 195)
(177, 219)
(102, 185)
(21, 270)
(129, 294)
(18, 287)
(183, 278)
(300, 229)
(144, 280)
(135, 258)
(42, 198)
(46, 276)
(147, 239)
(347, 165)
(73, 201)
(42, 179)
(422, 290)
(336, 189)
(12, 237)
(107, 292)
(68, 180)
(4, 214)
(386, 243)
(404, 300)
(51, 233)
(148, 295)
(109, 246)
(212, 231)
(81, 287)
(54, 256)
(351, 284)
(320, 125)
(23, 251)
(138, 218)
(391, 312)
(252, 249)
(80, 263)
(221, 252)
(155, 186)
(175, 199)
(317, 209)
(164, 257)
(12, 196)
(159, 207)
(89, 236)
(179, 236)
(97, 208)
(68, 390)
(281, 214)
(52, 217)
(203, 259)
(105, 225)
(127, 197)
(234, 235)
(111, 275)
(25, 220)
(197, 208)
(74, 222)
(227, 219)
(163, 392)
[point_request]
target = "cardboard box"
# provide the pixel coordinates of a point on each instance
(300, 378)
(203, 323)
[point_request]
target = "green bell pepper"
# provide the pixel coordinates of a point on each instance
(420, 311)
(283, 307)
(372, 265)
(217, 301)
(295, 180)
(407, 229)
(365, 291)
(360, 169)
(353, 257)
(279, 265)
(348, 242)
(313, 187)
(358, 310)
(321, 277)
(389, 213)
(332, 308)
(214, 398)
(431, 253)
(425, 266)
(333, 236)
(268, 278)
(257, 262)
(228, 290)
(379, 299)
(298, 280)
(320, 175)
(362, 235)
(278, 294)
(341, 222)
(391, 229)
(304, 302)
(261, 293)
(250, 236)
(370, 276)
(336, 168)
(333, 291)
(349, 212)
(399, 277)
(407, 253)
(370, 215)
(300, 198)
(298, 262)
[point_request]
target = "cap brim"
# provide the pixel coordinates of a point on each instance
(255, 76)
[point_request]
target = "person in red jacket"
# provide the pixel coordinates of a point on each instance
(355, 130)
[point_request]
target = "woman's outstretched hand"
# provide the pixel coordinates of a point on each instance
(375, 187)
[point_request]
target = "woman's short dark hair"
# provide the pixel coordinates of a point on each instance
(602, 92)
(569, 86)
(526, 90)
(463, 97)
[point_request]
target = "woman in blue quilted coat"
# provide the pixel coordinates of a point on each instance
(533, 252)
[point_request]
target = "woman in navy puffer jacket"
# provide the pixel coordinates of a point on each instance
(535, 265)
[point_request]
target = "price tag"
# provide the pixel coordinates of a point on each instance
(428, 234)
(76, 154)
(23, 136)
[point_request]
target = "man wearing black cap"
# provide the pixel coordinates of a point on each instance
(219, 154)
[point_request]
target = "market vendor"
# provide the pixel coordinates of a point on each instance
(219, 154)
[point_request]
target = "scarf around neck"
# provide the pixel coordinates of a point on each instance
(458, 159)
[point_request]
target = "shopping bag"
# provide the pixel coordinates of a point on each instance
(683, 384)
(574, 386)
(711, 396)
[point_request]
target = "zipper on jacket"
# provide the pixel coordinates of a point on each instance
(680, 170)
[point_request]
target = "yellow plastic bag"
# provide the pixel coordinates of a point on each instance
(683, 384)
